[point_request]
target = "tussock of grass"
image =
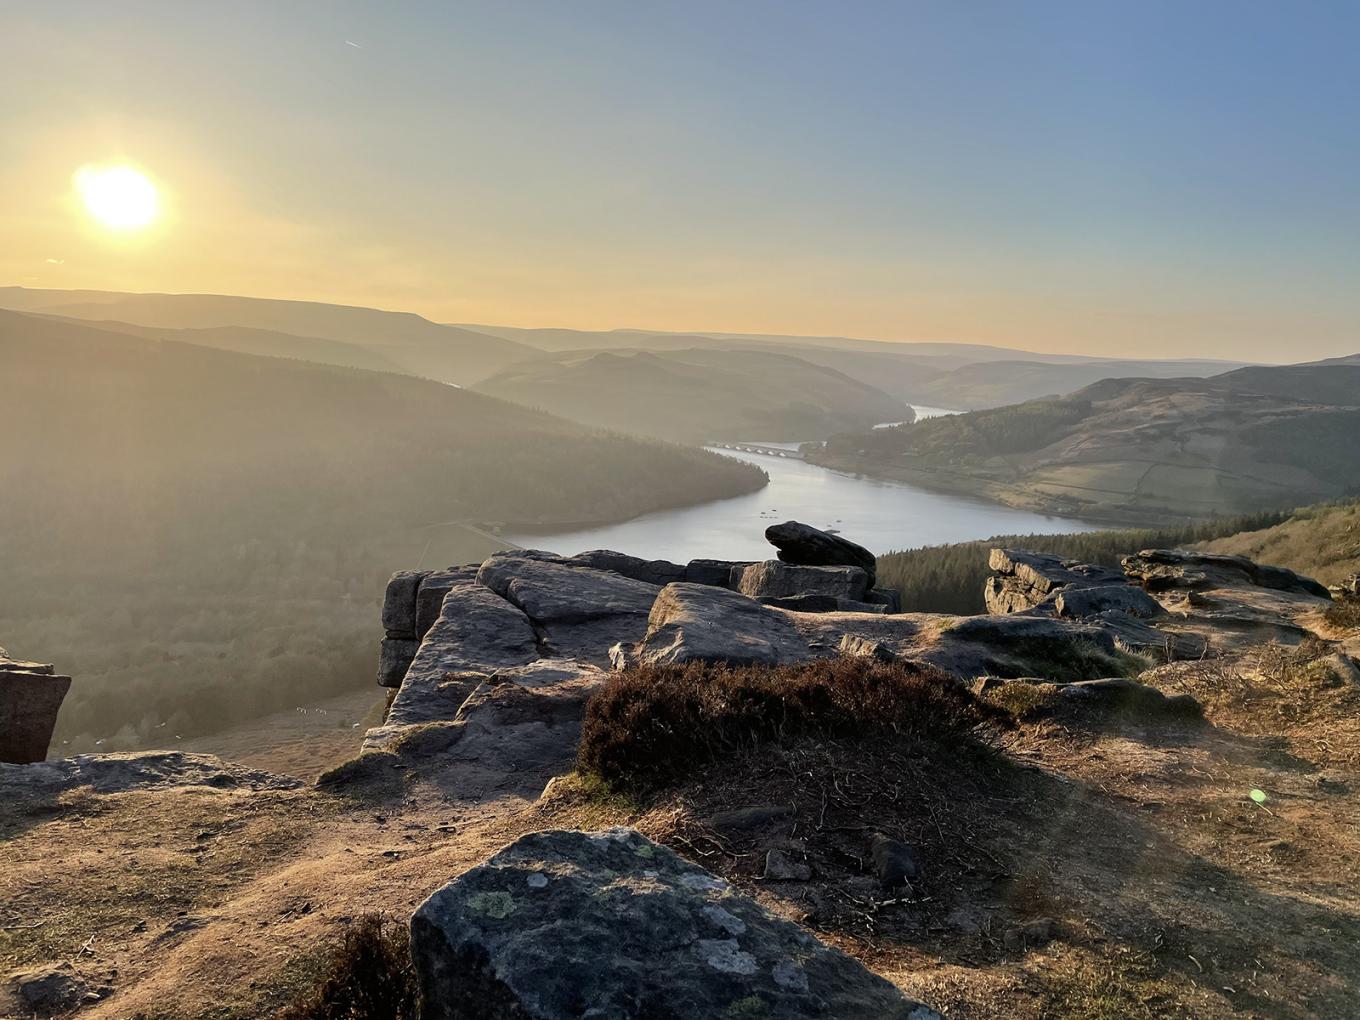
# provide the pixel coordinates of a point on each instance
(653, 725)
(1345, 615)
(366, 976)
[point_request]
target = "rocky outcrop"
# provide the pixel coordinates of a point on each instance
(577, 611)
(31, 694)
(477, 633)
(1079, 602)
(550, 591)
(1024, 579)
(522, 639)
(822, 604)
(805, 545)
(715, 572)
(430, 595)
(776, 579)
(1171, 605)
(399, 604)
(520, 720)
(1164, 569)
(564, 924)
(655, 572)
(410, 608)
(692, 622)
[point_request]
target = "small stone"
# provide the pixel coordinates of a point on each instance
(749, 819)
(781, 867)
(895, 863)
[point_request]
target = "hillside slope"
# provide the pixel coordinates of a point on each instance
(697, 394)
(1321, 541)
(250, 340)
(1136, 449)
(412, 344)
(198, 535)
(998, 383)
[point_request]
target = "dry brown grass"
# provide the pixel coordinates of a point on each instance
(366, 975)
(654, 724)
(1344, 615)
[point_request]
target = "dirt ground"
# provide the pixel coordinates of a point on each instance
(1073, 867)
(301, 742)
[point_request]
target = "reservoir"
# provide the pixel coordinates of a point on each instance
(880, 515)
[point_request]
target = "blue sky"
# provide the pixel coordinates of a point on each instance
(1096, 177)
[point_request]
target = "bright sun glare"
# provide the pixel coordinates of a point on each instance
(119, 197)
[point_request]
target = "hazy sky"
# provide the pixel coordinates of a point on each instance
(1162, 178)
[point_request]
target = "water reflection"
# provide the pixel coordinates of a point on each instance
(878, 514)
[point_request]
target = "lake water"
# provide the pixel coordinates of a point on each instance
(880, 515)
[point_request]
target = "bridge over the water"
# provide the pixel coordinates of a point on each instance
(768, 451)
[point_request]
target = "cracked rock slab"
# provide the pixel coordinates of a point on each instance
(567, 924)
(700, 623)
(477, 632)
(554, 592)
(776, 579)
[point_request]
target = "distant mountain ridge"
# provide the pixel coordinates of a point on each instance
(960, 376)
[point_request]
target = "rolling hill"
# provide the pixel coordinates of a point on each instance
(199, 535)
(1140, 449)
(998, 383)
(955, 375)
(407, 342)
(697, 394)
(1321, 541)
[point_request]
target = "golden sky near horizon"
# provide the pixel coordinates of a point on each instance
(538, 168)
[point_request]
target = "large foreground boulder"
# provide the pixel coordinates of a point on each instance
(567, 925)
(805, 545)
(30, 697)
(696, 622)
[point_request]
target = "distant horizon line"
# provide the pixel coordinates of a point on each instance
(645, 331)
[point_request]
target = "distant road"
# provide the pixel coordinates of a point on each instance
(469, 526)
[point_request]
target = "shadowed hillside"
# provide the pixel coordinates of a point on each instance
(187, 527)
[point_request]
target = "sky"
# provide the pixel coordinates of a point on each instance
(1140, 178)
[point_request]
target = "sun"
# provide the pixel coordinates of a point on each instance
(119, 197)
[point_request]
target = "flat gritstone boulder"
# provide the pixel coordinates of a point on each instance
(566, 925)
